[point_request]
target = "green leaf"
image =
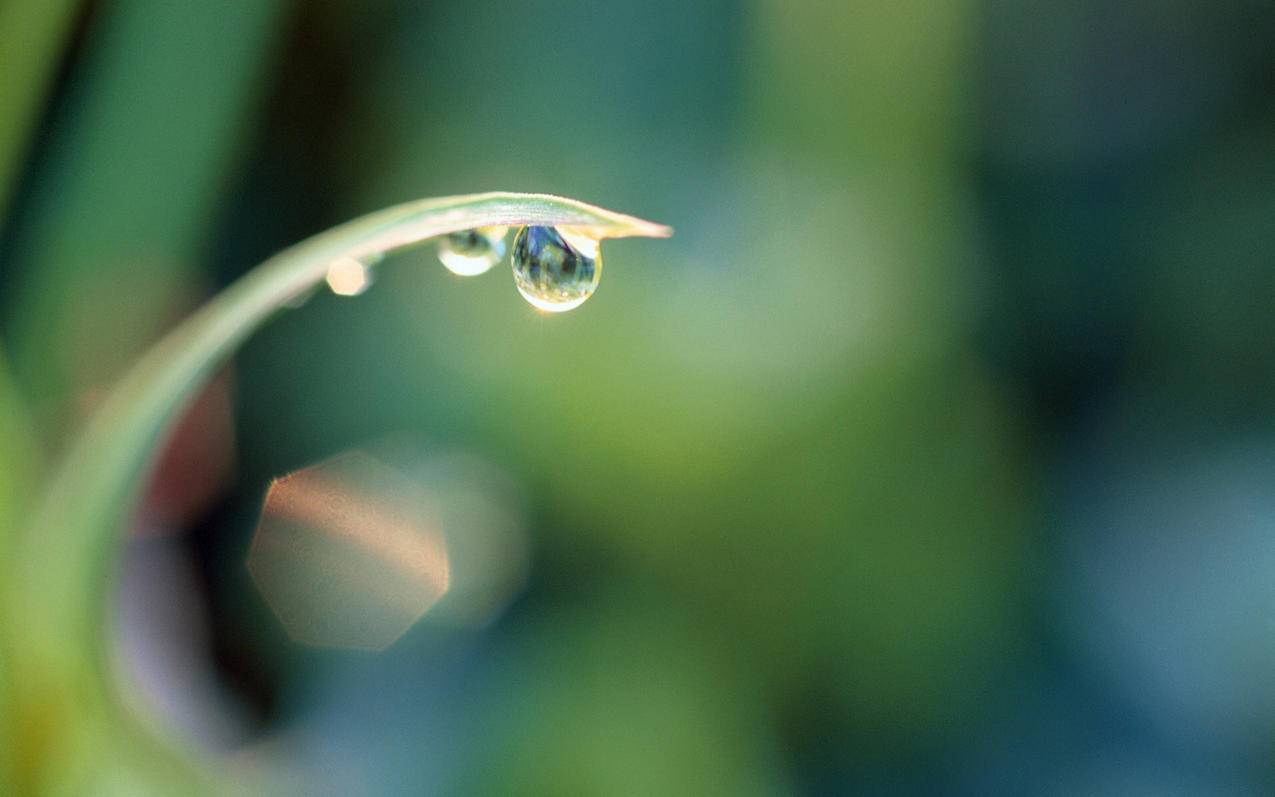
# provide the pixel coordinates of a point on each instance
(20, 457)
(29, 54)
(121, 195)
(68, 554)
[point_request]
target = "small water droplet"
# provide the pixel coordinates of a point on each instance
(472, 252)
(556, 268)
(351, 276)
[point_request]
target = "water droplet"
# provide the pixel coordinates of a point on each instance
(472, 252)
(556, 268)
(350, 276)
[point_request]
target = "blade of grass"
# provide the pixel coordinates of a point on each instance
(123, 195)
(29, 51)
(19, 455)
(66, 558)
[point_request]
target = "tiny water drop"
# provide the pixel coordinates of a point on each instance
(556, 268)
(351, 276)
(472, 252)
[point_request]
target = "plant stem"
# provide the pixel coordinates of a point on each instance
(66, 560)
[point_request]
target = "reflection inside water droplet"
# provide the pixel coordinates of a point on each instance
(556, 268)
(472, 252)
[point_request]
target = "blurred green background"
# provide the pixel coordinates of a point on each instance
(933, 455)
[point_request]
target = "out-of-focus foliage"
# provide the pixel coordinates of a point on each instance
(33, 43)
(17, 452)
(127, 189)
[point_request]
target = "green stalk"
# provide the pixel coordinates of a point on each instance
(68, 700)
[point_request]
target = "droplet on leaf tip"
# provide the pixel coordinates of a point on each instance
(556, 268)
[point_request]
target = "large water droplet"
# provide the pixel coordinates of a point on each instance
(556, 268)
(472, 252)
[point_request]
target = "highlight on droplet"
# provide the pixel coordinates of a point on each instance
(348, 553)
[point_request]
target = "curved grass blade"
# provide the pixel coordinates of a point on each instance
(67, 556)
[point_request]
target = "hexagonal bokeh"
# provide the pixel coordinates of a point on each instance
(348, 553)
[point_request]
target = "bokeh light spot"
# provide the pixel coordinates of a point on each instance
(347, 276)
(348, 554)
